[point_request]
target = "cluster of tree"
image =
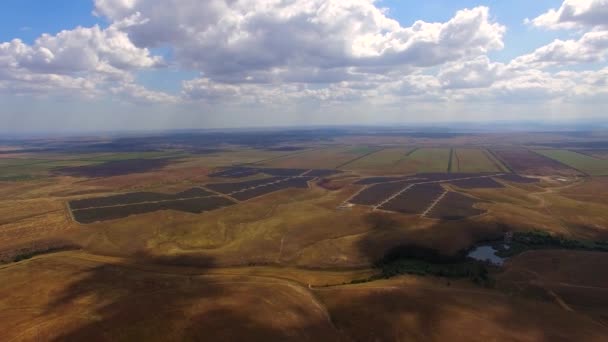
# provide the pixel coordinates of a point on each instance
(523, 241)
(427, 261)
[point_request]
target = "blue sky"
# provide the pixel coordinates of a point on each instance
(185, 63)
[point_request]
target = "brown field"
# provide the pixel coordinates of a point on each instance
(82, 298)
(527, 162)
(275, 260)
(469, 160)
(323, 158)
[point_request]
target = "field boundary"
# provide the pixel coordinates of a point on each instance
(409, 153)
(282, 156)
(450, 160)
(497, 163)
(557, 161)
(507, 166)
(357, 158)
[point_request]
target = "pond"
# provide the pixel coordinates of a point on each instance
(486, 253)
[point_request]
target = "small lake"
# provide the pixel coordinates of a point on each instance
(486, 253)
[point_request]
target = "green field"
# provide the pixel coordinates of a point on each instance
(321, 158)
(22, 169)
(386, 160)
(473, 160)
(589, 165)
(426, 160)
(13, 169)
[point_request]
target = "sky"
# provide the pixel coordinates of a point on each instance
(182, 64)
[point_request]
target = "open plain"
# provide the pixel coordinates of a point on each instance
(360, 241)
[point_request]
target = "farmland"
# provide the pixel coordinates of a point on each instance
(389, 160)
(182, 239)
(426, 160)
(322, 158)
(468, 160)
(587, 164)
(527, 162)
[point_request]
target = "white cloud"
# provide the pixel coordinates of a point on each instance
(591, 47)
(83, 61)
(575, 14)
(287, 55)
(476, 73)
(233, 39)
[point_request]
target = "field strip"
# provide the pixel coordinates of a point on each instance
(435, 202)
(146, 202)
(558, 161)
(409, 186)
(283, 156)
(304, 173)
(450, 160)
(497, 163)
(502, 161)
(412, 151)
(357, 158)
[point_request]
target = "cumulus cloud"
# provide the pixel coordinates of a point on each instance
(284, 54)
(575, 14)
(591, 47)
(237, 38)
(82, 60)
(477, 73)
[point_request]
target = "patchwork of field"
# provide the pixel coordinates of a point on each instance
(29, 166)
(470, 160)
(426, 160)
(587, 164)
(210, 243)
(524, 161)
(322, 158)
(242, 172)
(388, 160)
(596, 153)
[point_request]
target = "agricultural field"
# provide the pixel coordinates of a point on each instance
(186, 240)
(524, 161)
(426, 160)
(388, 160)
(587, 164)
(322, 158)
(598, 153)
(469, 160)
